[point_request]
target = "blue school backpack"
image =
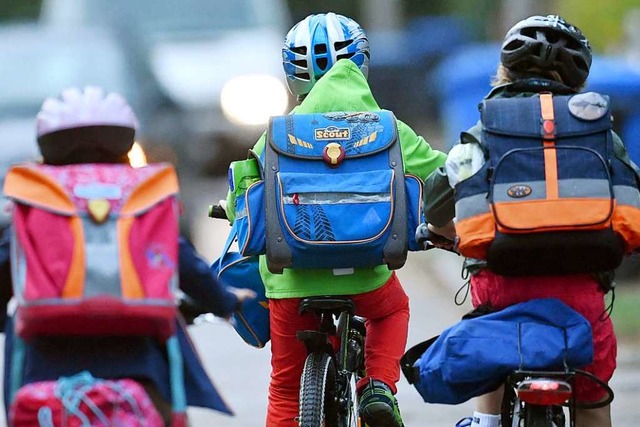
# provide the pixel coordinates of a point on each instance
(334, 194)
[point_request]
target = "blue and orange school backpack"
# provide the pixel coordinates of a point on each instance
(94, 249)
(333, 194)
(552, 197)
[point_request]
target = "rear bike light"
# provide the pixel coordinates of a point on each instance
(544, 391)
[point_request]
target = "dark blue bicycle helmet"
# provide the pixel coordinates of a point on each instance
(548, 43)
(317, 42)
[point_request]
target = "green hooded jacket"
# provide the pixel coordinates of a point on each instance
(344, 88)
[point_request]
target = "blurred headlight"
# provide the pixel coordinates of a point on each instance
(252, 99)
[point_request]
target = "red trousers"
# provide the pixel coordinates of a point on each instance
(580, 292)
(387, 312)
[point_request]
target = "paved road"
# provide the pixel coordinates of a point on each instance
(430, 279)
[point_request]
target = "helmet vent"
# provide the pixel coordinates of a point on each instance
(344, 56)
(303, 76)
(574, 44)
(300, 50)
(302, 63)
(529, 32)
(553, 37)
(513, 45)
(322, 63)
(320, 48)
(342, 44)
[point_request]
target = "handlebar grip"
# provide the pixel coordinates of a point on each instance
(217, 211)
(429, 240)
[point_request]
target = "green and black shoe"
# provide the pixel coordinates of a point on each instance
(378, 406)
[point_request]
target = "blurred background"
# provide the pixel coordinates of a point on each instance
(205, 75)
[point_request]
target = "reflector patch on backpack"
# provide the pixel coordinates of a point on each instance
(94, 249)
(552, 198)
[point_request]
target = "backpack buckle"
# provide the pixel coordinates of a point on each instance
(98, 210)
(333, 154)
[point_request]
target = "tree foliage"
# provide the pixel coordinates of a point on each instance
(602, 21)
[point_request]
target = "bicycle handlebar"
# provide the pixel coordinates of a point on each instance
(217, 211)
(430, 240)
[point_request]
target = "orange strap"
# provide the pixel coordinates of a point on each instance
(550, 154)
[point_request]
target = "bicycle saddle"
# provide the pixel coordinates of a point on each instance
(333, 305)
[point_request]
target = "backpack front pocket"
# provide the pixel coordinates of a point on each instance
(336, 209)
(563, 188)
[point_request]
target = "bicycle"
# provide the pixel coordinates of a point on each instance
(531, 398)
(538, 398)
(335, 358)
(328, 381)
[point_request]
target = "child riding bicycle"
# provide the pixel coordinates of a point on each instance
(540, 55)
(326, 61)
(91, 127)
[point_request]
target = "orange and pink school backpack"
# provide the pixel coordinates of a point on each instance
(94, 249)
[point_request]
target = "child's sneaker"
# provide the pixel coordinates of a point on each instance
(378, 406)
(465, 422)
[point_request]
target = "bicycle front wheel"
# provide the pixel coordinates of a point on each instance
(318, 392)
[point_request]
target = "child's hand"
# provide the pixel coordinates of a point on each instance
(447, 231)
(243, 294)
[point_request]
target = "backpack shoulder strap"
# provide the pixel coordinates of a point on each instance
(279, 255)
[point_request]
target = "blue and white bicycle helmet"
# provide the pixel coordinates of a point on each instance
(317, 42)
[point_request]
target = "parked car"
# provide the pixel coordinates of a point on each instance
(218, 60)
(40, 62)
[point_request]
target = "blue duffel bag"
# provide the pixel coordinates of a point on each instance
(475, 355)
(251, 320)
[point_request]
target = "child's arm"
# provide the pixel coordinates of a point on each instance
(197, 281)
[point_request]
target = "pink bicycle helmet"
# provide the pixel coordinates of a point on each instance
(85, 126)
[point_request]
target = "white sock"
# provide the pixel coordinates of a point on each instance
(485, 420)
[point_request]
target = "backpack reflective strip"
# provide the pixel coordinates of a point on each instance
(335, 198)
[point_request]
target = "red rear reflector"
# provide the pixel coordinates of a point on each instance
(544, 391)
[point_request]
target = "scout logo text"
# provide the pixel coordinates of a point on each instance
(332, 133)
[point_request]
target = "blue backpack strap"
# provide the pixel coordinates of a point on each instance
(17, 365)
(279, 255)
(395, 250)
(176, 375)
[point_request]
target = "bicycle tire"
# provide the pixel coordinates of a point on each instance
(318, 391)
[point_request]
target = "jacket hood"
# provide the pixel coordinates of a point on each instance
(342, 88)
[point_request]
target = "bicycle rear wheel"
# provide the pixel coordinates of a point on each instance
(318, 392)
